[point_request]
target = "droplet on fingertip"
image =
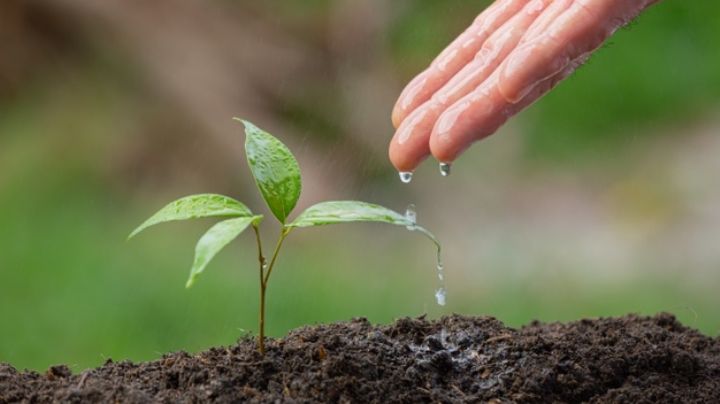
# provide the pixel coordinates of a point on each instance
(406, 176)
(445, 169)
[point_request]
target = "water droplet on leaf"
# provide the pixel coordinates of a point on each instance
(411, 216)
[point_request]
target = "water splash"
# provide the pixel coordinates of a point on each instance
(405, 176)
(445, 169)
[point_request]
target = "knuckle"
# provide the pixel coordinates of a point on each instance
(486, 50)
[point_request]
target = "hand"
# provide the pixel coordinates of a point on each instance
(512, 54)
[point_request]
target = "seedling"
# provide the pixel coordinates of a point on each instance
(277, 176)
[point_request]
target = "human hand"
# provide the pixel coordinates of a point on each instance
(512, 54)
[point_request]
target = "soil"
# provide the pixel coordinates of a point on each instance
(456, 359)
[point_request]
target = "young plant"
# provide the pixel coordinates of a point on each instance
(277, 176)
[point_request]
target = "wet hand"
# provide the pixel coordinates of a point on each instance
(512, 54)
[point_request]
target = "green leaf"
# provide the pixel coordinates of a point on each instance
(275, 169)
(348, 211)
(334, 212)
(196, 206)
(214, 240)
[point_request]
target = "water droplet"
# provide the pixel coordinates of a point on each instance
(440, 295)
(411, 216)
(445, 169)
(406, 176)
(440, 265)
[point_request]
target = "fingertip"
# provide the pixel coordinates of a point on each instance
(409, 145)
(447, 137)
(403, 159)
(443, 150)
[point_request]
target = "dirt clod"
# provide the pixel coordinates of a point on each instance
(456, 359)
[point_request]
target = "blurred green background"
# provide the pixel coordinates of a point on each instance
(601, 199)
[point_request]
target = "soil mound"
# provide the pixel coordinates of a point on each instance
(454, 359)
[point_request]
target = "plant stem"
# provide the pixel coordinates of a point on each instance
(261, 325)
(261, 258)
(264, 278)
(261, 261)
(284, 233)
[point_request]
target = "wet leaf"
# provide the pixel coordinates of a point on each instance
(214, 240)
(275, 169)
(348, 211)
(196, 206)
(334, 212)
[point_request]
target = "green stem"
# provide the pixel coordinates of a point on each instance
(261, 258)
(261, 321)
(284, 233)
(261, 326)
(264, 278)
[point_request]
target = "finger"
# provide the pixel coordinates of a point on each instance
(495, 49)
(410, 143)
(482, 112)
(409, 147)
(461, 51)
(580, 29)
(530, 71)
(541, 24)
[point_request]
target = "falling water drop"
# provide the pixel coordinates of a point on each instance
(440, 295)
(406, 176)
(445, 169)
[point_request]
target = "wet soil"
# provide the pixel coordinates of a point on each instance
(456, 359)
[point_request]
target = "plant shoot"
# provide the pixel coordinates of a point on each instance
(277, 175)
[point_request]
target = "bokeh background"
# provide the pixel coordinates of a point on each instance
(601, 199)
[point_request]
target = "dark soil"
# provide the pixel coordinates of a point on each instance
(456, 359)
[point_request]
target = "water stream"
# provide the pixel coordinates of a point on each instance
(440, 293)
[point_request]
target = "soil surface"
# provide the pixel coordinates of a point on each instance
(456, 359)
